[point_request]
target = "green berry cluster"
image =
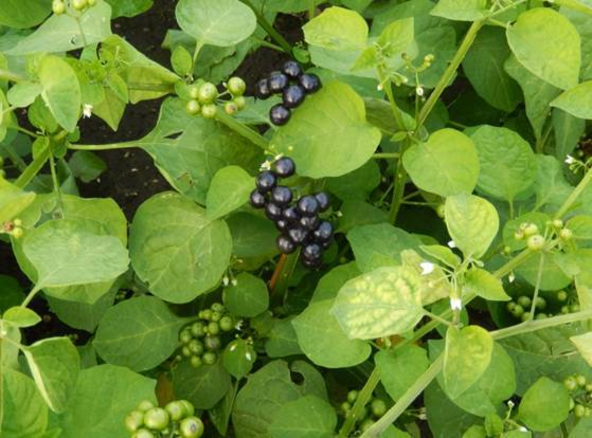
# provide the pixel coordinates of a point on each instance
(201, 341)
(177, 419)
(372, 412)
(562, 303)
(530, 232)
(13, 228)
(580, 389)
(204, 97)
(60, 7)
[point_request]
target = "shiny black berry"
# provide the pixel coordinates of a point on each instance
(262, 90)
(285, 245)
(279, 115)
(308, 205)
(291, 214)
(310, 222)
(281, 195)
(266, 181)
(324, 232)
(312, 263)
(257, 199)
(284, 167)
(297, 234)
(312, 251)
(293, 96)
(282, 224)
(277, 82)
(324, 200)
(292, 69)
(273, 211)
(310, 82)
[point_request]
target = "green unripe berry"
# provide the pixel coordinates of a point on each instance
(541, 316)
(587, 412)
(196, 347)
(17, 222)
(525, 317)
(367, 424)
(194, 91)
(581, 380)
(145, 405)
(209, 358)
(189, 408)
(91, 3)
(570, 383)
(579, 411)
(352, 396)
(197, 329)
(236, 86)
(213, 328)
(557, 223)
(346, 407)
(79, 5)
(58, 7)
(206, 314)
(17, 232)
(207, 93)
(192, 107)
(216, 316)
(209, 111)
(134, 421)
(230, 108)
(185, 337)
(524, 301)
(156, 419)
(195, 361)
(565, 234)
(540, 303)
(536, 242)
(574, 308)
(441, 211)
(185, 351)
(572, 404)
(378, 407)
(143, 433)
(562, 295)
(191, 427)
(518, 311)
(217, 307)
(519, 235)
(589, 387)
(240, 102)
(226, 323)
(212, 343)
(511, 306)
(176, 410)
(530, 230)
(564, 310)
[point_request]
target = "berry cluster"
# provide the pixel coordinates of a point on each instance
(368, 417)
(201, 341)
(13, 228)
(60, 7)
(298, 221)
(520, 307)
(293, 84)
(202, 98)
(176, 419)
(580, 390)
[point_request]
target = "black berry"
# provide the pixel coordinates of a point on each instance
(282, 224)
(312, 263)
(273, 211)
(266, 181)
(291, 214)
(277, 82)
(323, 199)
(292, 69)
(285, 245)
(281, 195)
(258, 199)
(262, 90)
(324, 232)
(284, 167)
(312, 251)
(310, 82)
(308, 205)
(310, 222)
(293, 96)
(298, 234)
(279, 115)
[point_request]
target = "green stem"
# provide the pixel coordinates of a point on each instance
(104, 147)
(81, 31)
(400, 181)
(281, 286)
(26, 131)
(537, 286)
(243, 130)
(575, 5)
(312, 9)
(386, 155)
(268, 44)
(33, 168)
(362, 400)
(10, 76)
(31, 295)
(274, 34)
(574, 195)
(54, 177)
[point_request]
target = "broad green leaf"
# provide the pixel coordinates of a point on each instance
(507, 164)
(357, 214)
(64, 255)
(544, 406)
(104, 395)
(182, 61)
(204, 386)
(329, 285)
(129, 8)
(461, 10)
(583, 343)
(176, 250)
(552, 278)
(22, 15)
(12, 293)
(229, 190)
(476, 431)
(216, 22)
(568, 131)
(86, 165)
(356, 185)
(21, 316)
(306, 417)
(248, 298)
(581, 227)
(323, 341)
(556, 60)
(399, 368)
(446, 420)
(282, 340)
(442, 254)
(220, 414)
(576, 101)
(139, 333)
(483, 66)
(384, 302)
(472, 223)
(9, 353)
(62, 33)
(581, 18)
(54, 364)
(379, 245)
(23, 413)
(467, 356)
(83, 315)
(252, 236)
(61, 91)
(447, 164)
(331, 123)
(550, 187)
(13, 200)
(483, 284)
(23, 94)
(435, 280)
(238, 358)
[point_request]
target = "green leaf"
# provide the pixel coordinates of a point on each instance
(306, 417)
(384, 302)
(12, 293)
(82, 315)
(216, 22)
(332, 123)
(568, 131)
(239, 357)
(229, 190)
(476, 431)
(21, 15)
(13, 200)
(323, 341)
(139, 334)
(23, 94)
(86, 165)
(550, 187)
(467, 356)
(399, 368)
(21, 316)
(176, 250)
(104, 395)
(583, 343)
(544, 406)
(329, 285)
(129, 8)
(358, 213)
(556, 60)
(447, 164)
(442, 254)
(582, 20)
(581, 227)
(461, 10)
(182, 61)
(485, 285)
(252, 236)
(54, 364)
(472, 223)
(64, 254)
(23, 413)
(576, 101)
(248, 298)
(552, 278)
(204, 386)
(282, 340)
(356, 185)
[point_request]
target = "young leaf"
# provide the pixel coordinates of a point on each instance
(485, 285)
(21, 15)
(576, 101)
(21, 317)
(461, 10)
(229, 190)
(306, 417)
(22, 410)
(86, 165)
(282, 340)
(583, 343)
(181, 61)
(13, 200)
(400, 368)
(204, 386)
(248, 298)
(239, 358)
(544, 406)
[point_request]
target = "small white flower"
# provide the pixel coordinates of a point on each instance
(570, 160)
(87, 110)
(248, 356)
(338, 214)
(419, 91)
(451, 244)
(239, 325)
(379, 87)
(523, 429)
(225, 281)
(511, 277)
(511, 404)
(455, 303)
(426, 268)
(234, 282)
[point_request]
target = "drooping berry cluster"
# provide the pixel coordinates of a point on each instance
(367, 417)
(580, 389)
(200, 341)
(293, 84)
(298, 221)
(60, 7)
(202, 99)
(176, 419)
(13, 228)
(562, 302)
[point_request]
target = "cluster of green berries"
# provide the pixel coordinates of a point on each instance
(372, 412)
(176, 419)
(530, 232)
(561, 230)
(203, 98)
(13, 228)
(60, 7)
(201, 341)
(520, 307)
(580, 389)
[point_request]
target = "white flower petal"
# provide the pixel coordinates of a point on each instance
(451, 244)
(455, 303)
(426, 268)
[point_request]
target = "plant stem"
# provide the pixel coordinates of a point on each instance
(399, 188)
(281, 285)
(537, 286)
(574, 195)
(243, 130)
(56, 183)
(104, 147)
(274, 34)
(575, 5)
(363, 398)
(26, 131)
(81, 31)
(312, 9)
(33, 168)
(277, 272)
(268, 44)
(31, 295)
(386, 155)
(10, 76)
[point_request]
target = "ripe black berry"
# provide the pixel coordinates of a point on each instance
(293, 96)
(285, 245)
(310, 222)
(266, 181)
(291, 214)
(308, 205)
(292, 69)
(310, 82)
(279, 115)
(312, 263)
(323, 199)
(312, 251)
(281, 224)
(284, 167)
(277, 82)
(281, 195)
(257, 199)
(297, 234)
(324, 232)
(262, 90)
(273, 211)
